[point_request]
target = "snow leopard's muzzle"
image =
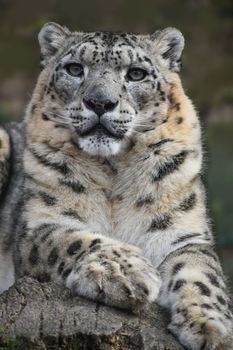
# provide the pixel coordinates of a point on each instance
(101, 119)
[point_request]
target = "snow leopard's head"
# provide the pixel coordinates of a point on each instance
(107, 87)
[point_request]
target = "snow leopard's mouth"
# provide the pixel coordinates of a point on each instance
(99, 130)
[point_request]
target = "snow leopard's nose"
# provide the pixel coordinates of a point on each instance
(100, 105)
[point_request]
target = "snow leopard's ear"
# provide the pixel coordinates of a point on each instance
(52, 37)
(169, 44)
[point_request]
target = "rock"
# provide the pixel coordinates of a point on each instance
(46, 316)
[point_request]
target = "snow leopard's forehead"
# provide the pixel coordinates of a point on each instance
(112, 49)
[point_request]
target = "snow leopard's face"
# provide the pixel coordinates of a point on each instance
(107, 87)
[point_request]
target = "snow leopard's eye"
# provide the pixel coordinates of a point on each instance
(74, 69)
(136, 74)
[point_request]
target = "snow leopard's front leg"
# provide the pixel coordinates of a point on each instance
(91, 265)
(194, 291)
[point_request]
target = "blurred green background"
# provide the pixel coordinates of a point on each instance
(207, 72)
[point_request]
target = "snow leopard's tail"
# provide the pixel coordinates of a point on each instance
(4, 158)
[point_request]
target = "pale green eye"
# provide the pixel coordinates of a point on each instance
(74, 69)
(136, 74)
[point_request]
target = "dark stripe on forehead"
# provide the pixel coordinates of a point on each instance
(148, 60)
(72, 50)
(130, 54)
(90, 36)
(121, 39)
(108, 38)
(144, 59)
(82, 52)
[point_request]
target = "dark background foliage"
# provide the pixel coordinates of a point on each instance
(207, 72)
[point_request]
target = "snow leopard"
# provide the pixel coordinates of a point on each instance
(112, 203)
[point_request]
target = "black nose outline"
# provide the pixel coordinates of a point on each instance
(100, 106)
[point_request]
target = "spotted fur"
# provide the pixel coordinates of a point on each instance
(113, 205)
